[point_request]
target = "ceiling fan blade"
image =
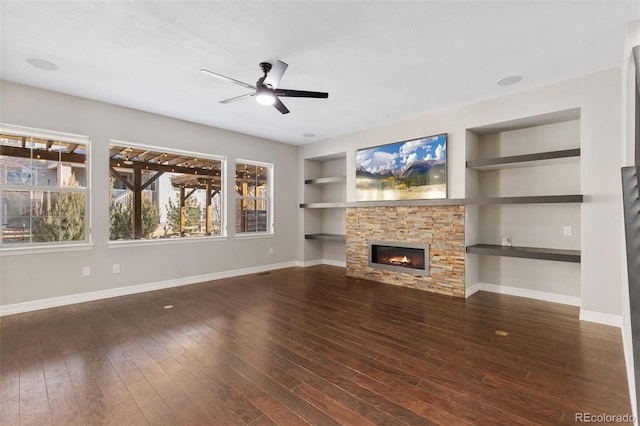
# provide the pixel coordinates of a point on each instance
(300, 94)
(280, 106)
(274, 76)
(232, 80)
(238, 98)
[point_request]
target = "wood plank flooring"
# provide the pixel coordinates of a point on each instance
(307, 346)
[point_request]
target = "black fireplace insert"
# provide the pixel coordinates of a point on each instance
(399, 256)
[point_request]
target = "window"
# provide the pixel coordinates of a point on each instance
(157, 193)
(43, 188)
(254, 202)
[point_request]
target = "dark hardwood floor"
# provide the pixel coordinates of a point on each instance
(307, 346)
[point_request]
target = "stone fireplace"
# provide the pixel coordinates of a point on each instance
(440, 228)
(405, 257)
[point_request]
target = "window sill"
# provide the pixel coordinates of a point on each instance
(15, 251)
(249, 235)
(163, 241)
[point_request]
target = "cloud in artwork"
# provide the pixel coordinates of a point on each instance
(412, 146)
(362, 157)
(412, 158)
(375, 161)
(441, 151)
(408, 150)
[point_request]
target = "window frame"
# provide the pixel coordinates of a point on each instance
(270, 199)
(44, 246)
(181, 240)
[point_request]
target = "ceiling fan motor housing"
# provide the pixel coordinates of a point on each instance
(265, 67)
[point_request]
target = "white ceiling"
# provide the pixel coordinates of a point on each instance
(380, 61)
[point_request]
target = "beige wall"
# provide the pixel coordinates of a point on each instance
(30, 277)
(598, 97)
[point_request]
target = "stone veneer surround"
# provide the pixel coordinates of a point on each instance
(442, 227)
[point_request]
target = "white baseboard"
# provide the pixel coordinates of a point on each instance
(523, 292)
(16, 308)
(316, 262)
(308, 263)
(472, 290)
(591, 316)
(53, 302)
(338, 263)
(600, 318)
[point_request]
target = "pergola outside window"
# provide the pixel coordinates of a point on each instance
(254, 197)
(159, 193)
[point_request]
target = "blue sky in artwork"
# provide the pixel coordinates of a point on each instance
(398, 155)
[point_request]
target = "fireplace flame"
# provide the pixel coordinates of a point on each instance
(399, 261)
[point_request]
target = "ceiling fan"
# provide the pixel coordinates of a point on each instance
(266, 88)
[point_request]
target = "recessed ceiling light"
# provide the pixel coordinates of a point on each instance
(508, 81)
(42, 64)
(309, 135)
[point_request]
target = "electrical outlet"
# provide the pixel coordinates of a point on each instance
(86, 271)
(506, 240)
(116, 268)
(567, 231)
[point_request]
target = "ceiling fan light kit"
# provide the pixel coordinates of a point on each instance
(265, 89)
(265, 96)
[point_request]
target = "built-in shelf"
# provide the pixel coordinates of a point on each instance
(409, 203)
(325, 214)
(340, 205)
(326, 237)
(533, 199)
(526, 252)
(326, 180)
(521, 160)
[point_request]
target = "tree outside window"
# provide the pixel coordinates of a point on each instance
(43, 188)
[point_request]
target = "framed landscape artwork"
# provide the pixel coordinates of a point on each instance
(409, 170)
